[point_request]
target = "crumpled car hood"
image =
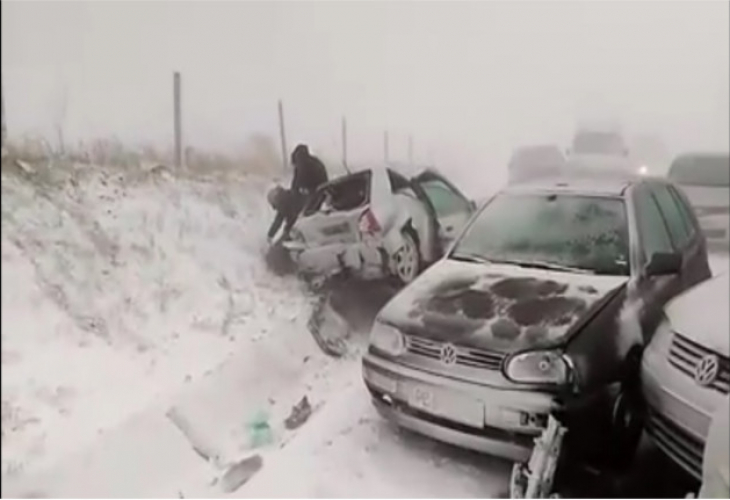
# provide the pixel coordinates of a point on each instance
(497, 307)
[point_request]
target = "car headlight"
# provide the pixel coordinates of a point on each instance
(643, 170)
(539, 368)
(388, 339)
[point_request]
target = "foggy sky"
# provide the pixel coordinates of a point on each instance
(469, 80)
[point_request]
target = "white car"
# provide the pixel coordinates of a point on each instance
(377, 223)
(686, 372)
(705, 179)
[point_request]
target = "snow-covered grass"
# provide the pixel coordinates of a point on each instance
(141, 333)
(116, 291)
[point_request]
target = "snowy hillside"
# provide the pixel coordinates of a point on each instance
(141, 334)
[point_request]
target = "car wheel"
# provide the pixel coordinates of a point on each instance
(408, 258)
(627, 419)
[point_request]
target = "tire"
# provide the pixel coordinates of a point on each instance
(627, 419)
(408, 259)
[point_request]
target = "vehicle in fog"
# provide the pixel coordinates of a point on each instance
(705, 178)
(377, 223)
(533, 162)
(686, 371)
(599, 151)
(526, 316)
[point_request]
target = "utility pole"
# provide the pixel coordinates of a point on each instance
(2, 107)
(178, 120)
(344, 144)
(410, 150)
(282, 135)
(386, 148)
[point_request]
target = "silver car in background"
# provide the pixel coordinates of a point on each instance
(686, 371)
(705, 179)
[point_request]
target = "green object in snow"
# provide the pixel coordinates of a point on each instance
(259, 431)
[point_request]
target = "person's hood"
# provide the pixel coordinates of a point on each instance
(701, 314)
(498, 307)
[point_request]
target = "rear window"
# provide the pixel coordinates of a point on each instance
(704, 170)
(599, 143)
(342, 195)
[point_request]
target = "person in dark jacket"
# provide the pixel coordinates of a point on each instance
(309, 171)
(309, 174)
(287, 205)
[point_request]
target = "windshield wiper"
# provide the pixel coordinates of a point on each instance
(470, 257)
(479, 259)
(548, 266)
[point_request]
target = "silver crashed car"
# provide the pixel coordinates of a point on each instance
(377, 223)
(686, 371)
(541, 307)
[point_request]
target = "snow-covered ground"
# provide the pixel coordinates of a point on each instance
(141, 334)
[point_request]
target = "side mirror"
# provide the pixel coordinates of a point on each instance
(472, 205)
(663, 264)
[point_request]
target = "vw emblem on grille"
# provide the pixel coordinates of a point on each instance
(448, 354)
(707, 369)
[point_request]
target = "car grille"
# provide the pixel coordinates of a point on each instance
(685, 449)
(473, 358)
(684, 355)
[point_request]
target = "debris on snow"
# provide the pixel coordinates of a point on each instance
(299, 414)
(237, 475)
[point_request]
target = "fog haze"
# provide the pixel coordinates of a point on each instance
(468, 80)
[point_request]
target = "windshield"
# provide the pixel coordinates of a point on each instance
(570, 231)
(709, 171)
(602, 143)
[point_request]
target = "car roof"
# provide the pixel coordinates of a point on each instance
(601, 186)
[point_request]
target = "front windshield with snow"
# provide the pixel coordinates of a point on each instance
(580, 232)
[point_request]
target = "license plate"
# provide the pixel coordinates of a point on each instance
(422, 399)
(447, 404)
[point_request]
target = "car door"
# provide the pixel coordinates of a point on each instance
(653, 292)
(692, 242)
(452, 208)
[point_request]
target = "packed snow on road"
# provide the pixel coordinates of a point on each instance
(147, 351)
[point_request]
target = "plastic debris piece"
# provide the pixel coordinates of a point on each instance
(259, 430)
(239, 473)
(299, 414)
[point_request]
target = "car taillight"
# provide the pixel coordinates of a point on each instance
(368, 224)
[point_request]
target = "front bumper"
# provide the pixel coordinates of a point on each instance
(679, 409)
(497, 421)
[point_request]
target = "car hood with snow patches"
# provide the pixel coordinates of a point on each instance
(495, 306)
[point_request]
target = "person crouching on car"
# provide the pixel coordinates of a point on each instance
(287, 205)
(309, 174)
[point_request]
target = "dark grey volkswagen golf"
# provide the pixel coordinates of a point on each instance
(542, 305)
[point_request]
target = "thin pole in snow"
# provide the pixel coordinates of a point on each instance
(178, 119)
(410, 150)
(386, 152)
(282, 135)
(344, 144)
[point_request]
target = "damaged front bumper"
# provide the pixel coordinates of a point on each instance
(500, 422)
